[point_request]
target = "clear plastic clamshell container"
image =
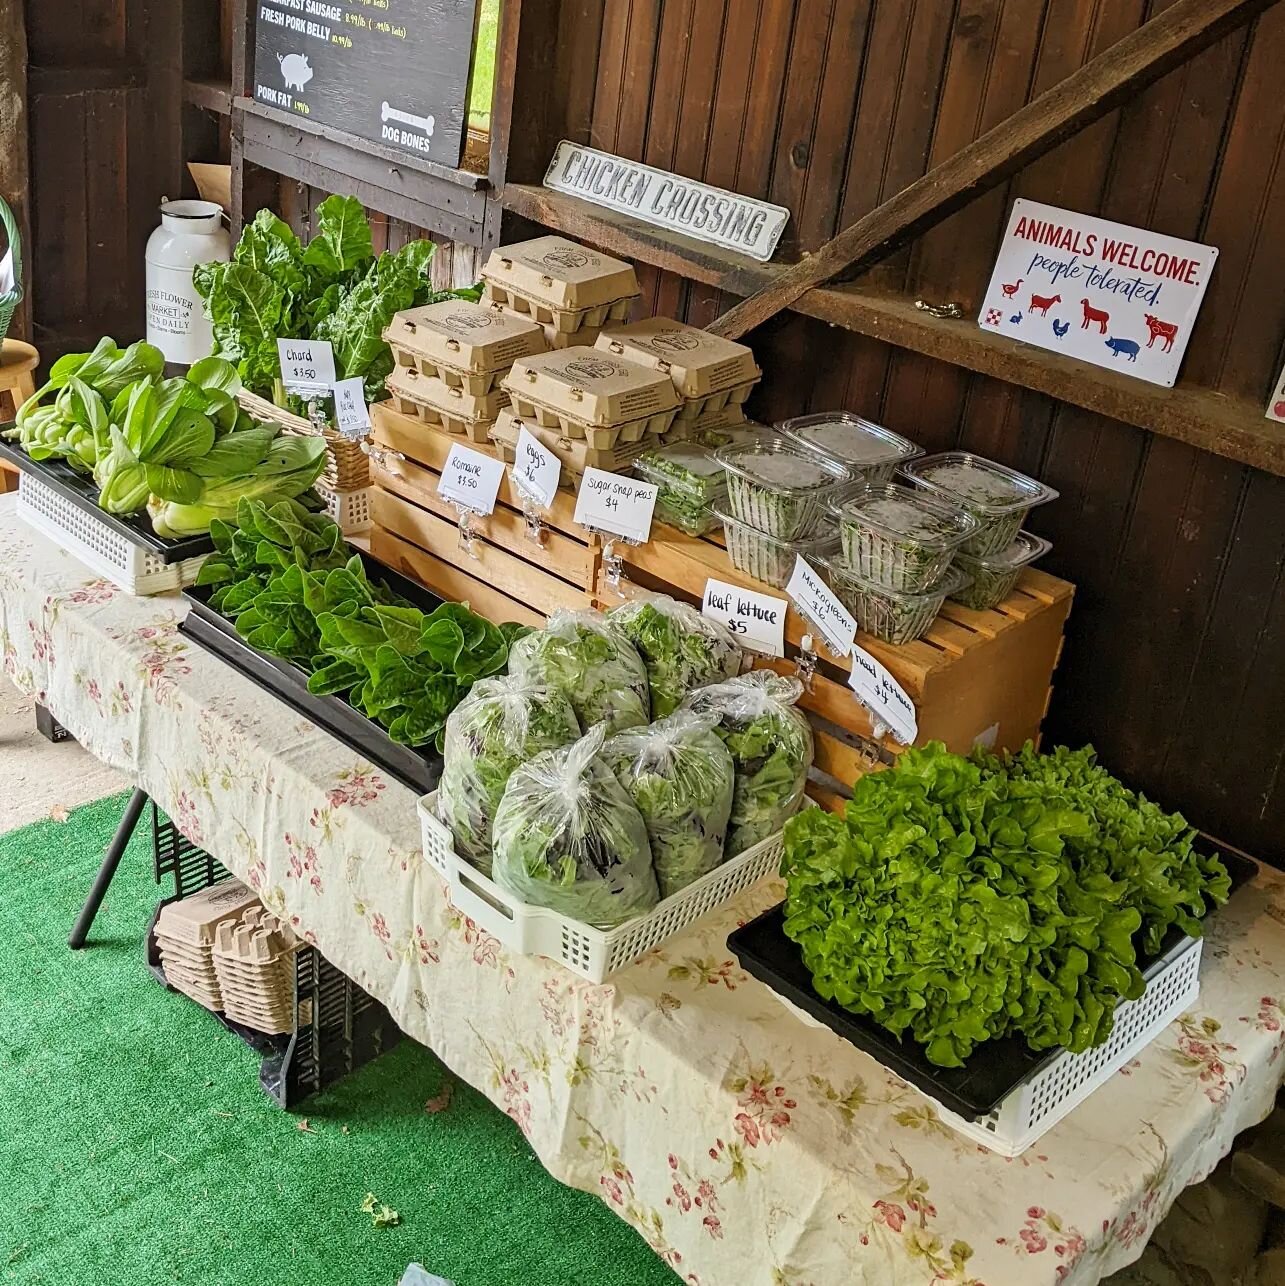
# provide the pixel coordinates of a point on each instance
(690, 480)
(891, 614)
(765, 557)
(998, 497)
(994, 576)
(781, 489)
(870, 451)
(899, 536)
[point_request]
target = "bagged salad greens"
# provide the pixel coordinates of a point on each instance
(502, 724)
(681, 777)
(568, 837)
(583, 655)
(681, 648)
(771, 744)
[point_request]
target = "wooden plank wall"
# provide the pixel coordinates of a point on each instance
(103, 111)
(1173, 665)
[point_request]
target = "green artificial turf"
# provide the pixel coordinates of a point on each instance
(488, 29)
(137, 1148)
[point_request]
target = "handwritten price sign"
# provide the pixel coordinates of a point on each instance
(471, 479)
(817, 602)
(352, 415)
(612, 503)
(307, 366)
(536, 470)
(757, 620)
(883, 696)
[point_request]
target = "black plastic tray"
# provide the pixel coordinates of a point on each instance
(418, 769)
(994, 1069)
(59, 476)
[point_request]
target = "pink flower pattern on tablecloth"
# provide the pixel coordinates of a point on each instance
(765, 1106)
(1199, 1048)
(357, 787)
(301, 862)
(1270, 1019)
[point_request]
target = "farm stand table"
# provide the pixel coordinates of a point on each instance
(744, 1146)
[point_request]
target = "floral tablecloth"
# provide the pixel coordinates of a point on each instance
(746, 1147)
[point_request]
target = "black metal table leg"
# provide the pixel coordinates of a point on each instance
(111, 860)
(49, 727)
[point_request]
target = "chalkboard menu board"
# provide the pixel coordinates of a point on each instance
(395, 71)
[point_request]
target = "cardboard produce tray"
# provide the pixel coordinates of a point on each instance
(560, 283)
(466, 346)
(433, 401)
(419, 769)
(589, 394)
(574, 454)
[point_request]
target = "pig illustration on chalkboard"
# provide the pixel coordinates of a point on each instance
(295, 71)
(1129, 347)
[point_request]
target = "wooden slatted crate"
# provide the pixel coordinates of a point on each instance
(508, 577)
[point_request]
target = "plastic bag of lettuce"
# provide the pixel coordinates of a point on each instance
(568, 837)
(680, 775)
(960, 900)
(502, 724)
(771, 744)
(681, 648)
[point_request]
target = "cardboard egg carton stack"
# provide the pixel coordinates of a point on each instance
(569, 289)
(254, 964)
(185, 934)
(711, 375)
(450, 358)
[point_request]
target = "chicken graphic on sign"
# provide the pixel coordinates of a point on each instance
(295, 71)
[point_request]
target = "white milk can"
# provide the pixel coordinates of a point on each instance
(191, 233)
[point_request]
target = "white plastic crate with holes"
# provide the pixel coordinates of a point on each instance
(350, 509)
(594, 953)
(1038, 1104)
(101, 548)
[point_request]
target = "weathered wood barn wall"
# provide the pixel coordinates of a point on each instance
(1173, 664)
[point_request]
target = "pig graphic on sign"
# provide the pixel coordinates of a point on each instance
(295, 70)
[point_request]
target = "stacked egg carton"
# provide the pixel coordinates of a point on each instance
(254, 964)
(711, 375)
(591, 408)
(450, 358)
(185, 935)
(569, 289)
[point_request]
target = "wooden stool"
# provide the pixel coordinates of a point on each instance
(18, 362)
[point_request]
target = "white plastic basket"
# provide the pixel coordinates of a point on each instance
(594, 953)
(1036, 1106)
(98, 546)
(350, 509)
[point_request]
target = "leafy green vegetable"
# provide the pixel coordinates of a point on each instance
(502, 724)
(568, 837)
(680, 776)
(959, 900)
(771, 745)
(584, 656)
(681, 648)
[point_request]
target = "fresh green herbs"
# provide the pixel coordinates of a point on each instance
(959, 900)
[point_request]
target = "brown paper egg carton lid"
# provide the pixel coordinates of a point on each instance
(585, 337)
(560, 283)
(465, 345)
(195, 920)
(593, 395)
(574, 454)
(708, 371)
(431, 401)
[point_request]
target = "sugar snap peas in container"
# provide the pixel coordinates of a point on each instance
(690, 479)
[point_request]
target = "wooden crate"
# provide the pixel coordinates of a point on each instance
(508, 576)
(975, 676)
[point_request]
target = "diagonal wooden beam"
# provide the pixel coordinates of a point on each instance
(1115, 75)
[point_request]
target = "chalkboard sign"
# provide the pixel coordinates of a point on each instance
(394, 71)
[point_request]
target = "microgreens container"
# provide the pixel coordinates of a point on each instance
(871, 452)
(893, 615)
(781, 489)
(995, 575)
(998, 497)
(766, 557)
(690, 479)
(899, 536)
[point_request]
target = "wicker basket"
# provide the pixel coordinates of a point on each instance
(10, 300)
(347, 465)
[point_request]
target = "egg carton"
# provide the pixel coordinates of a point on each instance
(574, 454)
(560, 283)
(709, 373)
(588, 394)
(195, 920)
(465, 345)
(431, 401)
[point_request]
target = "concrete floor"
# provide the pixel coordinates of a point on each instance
(41, 779)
